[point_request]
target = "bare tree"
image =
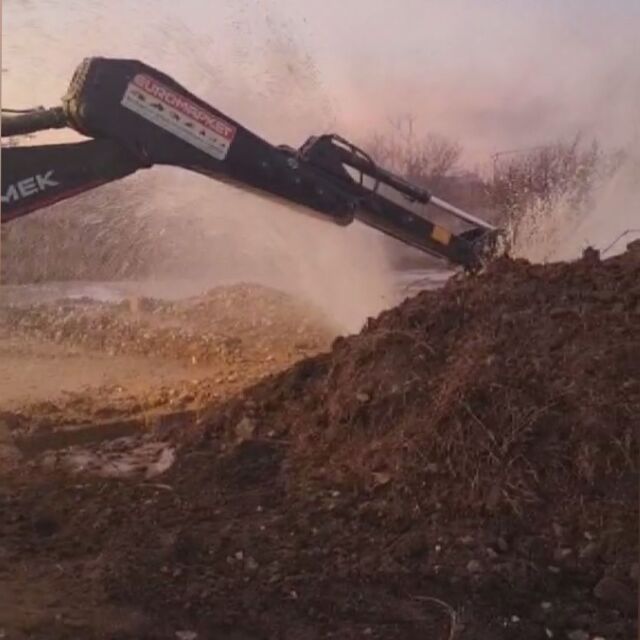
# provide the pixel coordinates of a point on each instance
(424, 160)
(545, 172)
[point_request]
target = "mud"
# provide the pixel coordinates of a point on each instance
(465, 467)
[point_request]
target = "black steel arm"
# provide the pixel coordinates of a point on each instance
(19, 123)
(34, 177)
(138, 117)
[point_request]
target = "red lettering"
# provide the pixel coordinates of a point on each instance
(184, 105)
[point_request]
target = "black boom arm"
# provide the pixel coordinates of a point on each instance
(38, 176)
(138, 117)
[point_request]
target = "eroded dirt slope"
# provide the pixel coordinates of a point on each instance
(466, 467)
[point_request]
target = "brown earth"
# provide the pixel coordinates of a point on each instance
(82, 378)
(465, 467)
(72, 367)
(78, 360)
(229, 323)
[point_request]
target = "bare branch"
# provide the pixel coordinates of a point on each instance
(424, 160)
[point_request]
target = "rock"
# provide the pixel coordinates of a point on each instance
(473, 566)
(245, 429)
(362, 397)
(250, 564)
(186, 635)
(591, 255)
(634, 245)
(562, 554)
(615, 593)
(491, 553)
(381, 478)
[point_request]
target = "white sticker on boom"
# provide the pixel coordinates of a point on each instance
(179, 115)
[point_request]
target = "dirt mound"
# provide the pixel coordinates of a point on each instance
(489, 395)
(227, 322)
(466, 467)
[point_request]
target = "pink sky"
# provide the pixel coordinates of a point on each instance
(494, 74)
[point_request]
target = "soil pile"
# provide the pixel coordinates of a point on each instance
(227, 322)
(491, 396)
(465, 467)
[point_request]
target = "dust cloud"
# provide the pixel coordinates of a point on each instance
(226, 236)
(560, 230)
(490, 75)
(614, 219)
(344, 272)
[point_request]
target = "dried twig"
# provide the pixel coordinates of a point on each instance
(617, 239)
(158, 485)
(453, 617)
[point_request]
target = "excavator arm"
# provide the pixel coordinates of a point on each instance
(136, 117)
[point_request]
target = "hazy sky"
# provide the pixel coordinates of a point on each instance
(493, 74)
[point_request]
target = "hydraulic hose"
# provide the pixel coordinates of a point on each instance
(21, 123)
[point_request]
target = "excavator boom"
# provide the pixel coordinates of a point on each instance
(136, 117)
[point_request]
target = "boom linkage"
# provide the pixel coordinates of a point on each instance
(136, 117)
